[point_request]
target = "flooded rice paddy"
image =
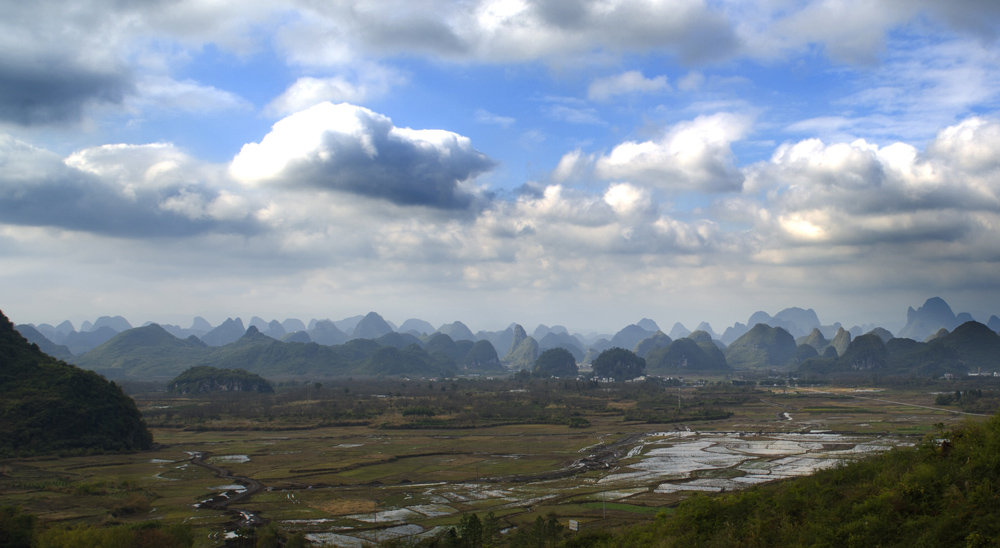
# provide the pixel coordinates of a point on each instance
(659, 464)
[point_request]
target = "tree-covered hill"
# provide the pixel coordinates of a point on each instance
(971, 347)
(49, 406)
(151, 352)
(556, 362)
(482, 357)
(686, 356)
(618, 364)
(57, 351)
(941, 494)
(202, 379)
(762, 347)
(409, 361)
(148, 351)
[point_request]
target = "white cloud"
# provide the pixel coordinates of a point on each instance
(972, 146)
(188, 95)
(693, 155)
(487, 117)
(574, 115)
(132, 191)
(572, 165)
(352, 149)
(603, 89)
(821, 215)
(372, 83)
(862, 195)
(691, 81)
(627, 200)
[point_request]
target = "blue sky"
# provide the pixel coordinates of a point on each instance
(584, 163)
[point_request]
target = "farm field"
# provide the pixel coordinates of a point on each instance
(348, 485)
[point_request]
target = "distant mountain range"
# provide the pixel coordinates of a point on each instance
(352, 346)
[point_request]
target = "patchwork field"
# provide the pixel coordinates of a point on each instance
(358, 485)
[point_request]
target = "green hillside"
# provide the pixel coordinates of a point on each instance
(685, 356)
(762, 347)
(939, 494)
(975, 344)
(410, 361)
(971, 347)
(148, 351)
(202, 379)
(48, 406)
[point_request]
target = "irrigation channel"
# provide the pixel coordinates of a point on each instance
(222, 501)
(657, 464)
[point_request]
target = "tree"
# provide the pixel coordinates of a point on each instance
(471, 531)
(16, 527)
(618, 364)
(491, 529)
(556, 362)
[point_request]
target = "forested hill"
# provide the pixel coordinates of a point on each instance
(204, 378)
(942, 494)
(48, 406)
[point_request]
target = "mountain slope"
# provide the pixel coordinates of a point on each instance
(48, 406)
(144, 352)
(762, 346)
(57, 351)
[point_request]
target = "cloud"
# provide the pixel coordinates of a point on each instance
(58, 60)
(187, 95)
(487, 117)
(351, 149)
(692, 155)
(603, 89)
(124, 191)
(971, 146)
(372, 82)
(859, 194)
(574, 115)
(691, 81)
(56, 92)
(506, 30)
(573, 165)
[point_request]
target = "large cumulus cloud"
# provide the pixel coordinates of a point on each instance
(860, 194)
(692, 155)
(125, 191)
(351, 149)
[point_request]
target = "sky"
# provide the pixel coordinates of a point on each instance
(584, 163)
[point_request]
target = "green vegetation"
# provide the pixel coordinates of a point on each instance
(48, 406)
(411, 360)
(145, 535)
(202, 379)
(938, 494)
(685, 356)
(480, 443)
(762, 347)
(652, 342)
(150, 352)
(970, 347)
(522, 354)
(556, 362)
(618, 364)
(482, 357)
